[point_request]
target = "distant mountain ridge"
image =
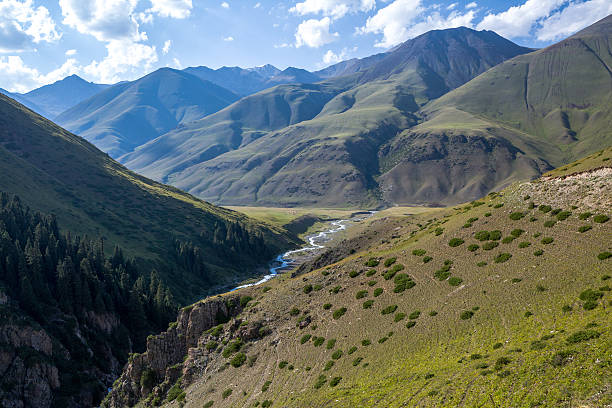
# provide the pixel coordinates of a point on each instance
(318, 144)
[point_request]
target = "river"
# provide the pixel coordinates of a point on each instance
(315, 245)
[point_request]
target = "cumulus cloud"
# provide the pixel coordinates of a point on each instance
(70, 52)
(172, 8)
(124, 60)
(22, 24)
(166, 47)
(314, 33)
(332, 58)
(14, 71)
(228, 39)
(405, 19)
(332, 8)
(257, 5)
(518, 21)
(471, 5)
(225, 5)
(573, 18)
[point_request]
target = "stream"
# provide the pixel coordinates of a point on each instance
(316, 243)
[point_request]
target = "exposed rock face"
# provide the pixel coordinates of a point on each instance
(173, 353)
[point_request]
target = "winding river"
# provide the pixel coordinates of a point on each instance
(316, 243)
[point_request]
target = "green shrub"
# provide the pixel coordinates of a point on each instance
(414, 315)
(361, 294)
(508, 239)
(294, 311)
(481, 264)
(352, 350)
(227, 393)
(327, 306)
(538, 345)
(338, 313)
(549, 223)
(382, 340)
(516, 280)
(148, 379)
(389, 309)
(283, 364)
(601, 218)
(473, 247)
(563, 215)
(433, 313)
(539, 252)
(328, 365)
(517, 232)
(266, 386)
(545, 208)
(499, 205)
(337, 354)
(495, 235)
(537, 234)
(427, 259)
(497, 345)
(528, 314)
(305, 338)
(590, 294)
(335, 289)
(455, 281)
(307, 289)
(335, 381)
(418, 252)
(238, 360)
(584, 228)
(455, 242)
(174, 392)
(357, 361)
(390, 261)
(403, 282)
(582, 335)
(487, 214)
(320, 382)
(399, 317)
(524, 244)
(561, 358)
(368, 304)
(566, 308)
(476, 356)
(365, 342)
(605, 277)
(482, 235)
(317, 341)
(244, 300)
(372, 262)
(378, 292)
(233, 347)
(501, 362)
(438, 231)
(266, 404)
(466, 314)
(487, 246)
(503, 257)
(207, 405)
(442, 273)
(371, 272)
(330, 344)
(602, 256)
(583, 216)
(211, 345)
(372, 283)
(353, 273)
(515, 216)
(547, 240)
(410, 324)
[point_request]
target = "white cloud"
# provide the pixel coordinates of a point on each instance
(314, 33)
(283, 45)
(22, 24)
(405, 19)
(172, 8)
(225, 5)
(70, 52)
(228, 39)
(124, 60)
(106, 20)
(573, 18)
(257, 5)
(451, 6)
(23, 78)
(471, 5)
(518, 21)
(332, 8)
(166, 48)
(176, 64)
(332, 58)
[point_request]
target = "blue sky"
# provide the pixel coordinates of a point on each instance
(42, 41)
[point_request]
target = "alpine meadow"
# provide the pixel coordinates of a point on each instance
(306, 203)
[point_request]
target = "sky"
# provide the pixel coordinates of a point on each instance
(106, 41)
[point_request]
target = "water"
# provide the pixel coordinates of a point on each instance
(315, 244)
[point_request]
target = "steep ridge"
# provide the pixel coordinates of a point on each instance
(453, 307)
(329, 156)
(56, 172)
(527, 115)
(129, 114)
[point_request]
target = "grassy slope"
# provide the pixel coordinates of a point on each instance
(430, 364)
(56, 172)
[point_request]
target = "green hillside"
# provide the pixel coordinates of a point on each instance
(308, 145)
(501, 302)
(521, 118)
(56, 172)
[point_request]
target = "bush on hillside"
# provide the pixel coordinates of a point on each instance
(545, 208)
(338, 313)
(563, 215)
(390, 261)
(307, 289)
(368, 304)
(473, 247)
(418, 252)
(426, 259)
(583, 216)
(371, 272)
(601, 218)
(503, 257)
(547, 240)
(414, 315)
(466, 314)
(378, 292)
(487, 246)
(455, 281)
(410, 324)
(389, 309)
(372, 262)
(549, 223)
(238, 360)
(361, 294)
(399, 317)
(455, 242)
(515, 216)
(353, 273)
(602, 256)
